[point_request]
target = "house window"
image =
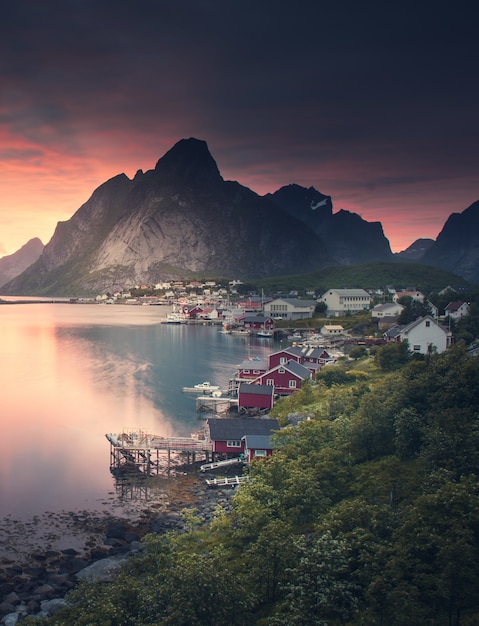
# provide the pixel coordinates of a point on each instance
(292, 384)
(281, 370)
(256, 372)
(233, 443)
(416, 348)
(428, 323)
(282, 360)
(270, 381)
(245, 371)
(260, 453)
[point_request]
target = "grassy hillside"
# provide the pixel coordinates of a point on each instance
(374, 276)
(366, 514)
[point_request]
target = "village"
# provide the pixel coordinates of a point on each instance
(239, 429)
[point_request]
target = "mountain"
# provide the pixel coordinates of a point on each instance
(14, 264)
(182, 219)
(177, 220)
(347, 237)
(457, 245)
(415, 251)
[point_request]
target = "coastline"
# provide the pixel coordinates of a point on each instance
(40, 577)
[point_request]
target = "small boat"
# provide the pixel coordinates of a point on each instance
(204, 388)
(266, 334)
(206, 385)
(177, 316)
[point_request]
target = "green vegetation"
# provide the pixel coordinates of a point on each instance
(371, 276)
(367, 514)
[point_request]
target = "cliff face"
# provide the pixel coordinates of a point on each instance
(457, 245)
(348, 239)
(182, 218)
(178, 219)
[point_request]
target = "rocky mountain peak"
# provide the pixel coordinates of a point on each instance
(190, 161)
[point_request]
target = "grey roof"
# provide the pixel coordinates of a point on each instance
(253, 364)
(294, 350)
(297, 302)
(296, 368)
(314, 353)
(222, 429)
(256, 318)
(393, 332)
(258, 442)
(261, 390)
(386, 306)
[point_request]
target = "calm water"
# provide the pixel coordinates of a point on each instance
(71, 373)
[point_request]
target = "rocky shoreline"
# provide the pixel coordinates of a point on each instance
(38, 584)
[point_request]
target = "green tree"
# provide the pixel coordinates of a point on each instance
(319, 590)
(392, 356)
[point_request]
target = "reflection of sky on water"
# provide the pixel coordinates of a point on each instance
(71, 373)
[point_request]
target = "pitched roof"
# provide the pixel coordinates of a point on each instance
(349, 292)
(393, 332)
(386, 305)
(454, 306)
(256, 318)
(294, 350)
(260, 390)
(314, 353)
(419, 320)
(253, 364)
(296, 302)
(296, 368)
(222, 429)
(258, 442)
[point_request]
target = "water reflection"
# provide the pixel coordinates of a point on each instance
(71, 373)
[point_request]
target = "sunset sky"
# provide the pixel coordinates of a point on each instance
(373, 103)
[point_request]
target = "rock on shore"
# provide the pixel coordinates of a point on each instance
(38, 585)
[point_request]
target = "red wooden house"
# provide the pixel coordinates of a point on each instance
(285, 378)
(256, 397)
(227, 434)
(257, 323)
(316, 355)
(284, 355)
(257, 447)
(196, 311)
(250, 369)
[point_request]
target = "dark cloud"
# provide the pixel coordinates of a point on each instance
(347, 94)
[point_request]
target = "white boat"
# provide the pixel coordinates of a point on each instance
(176, 317)
(265, 334)
(206, 385)
(203, 388)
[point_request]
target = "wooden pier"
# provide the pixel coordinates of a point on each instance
(219, 405)
(218, 464)
(140, 451)
(226, 482)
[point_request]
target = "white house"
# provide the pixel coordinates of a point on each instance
(290, 308)
(342, 301)
(388, 309)
(457, 309)
(425, 335)
(329, 330)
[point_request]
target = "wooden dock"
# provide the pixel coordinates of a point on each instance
(226, 482)
(216, 464)
(138, 450)
(215, 405)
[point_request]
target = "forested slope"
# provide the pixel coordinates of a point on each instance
(368, 514)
